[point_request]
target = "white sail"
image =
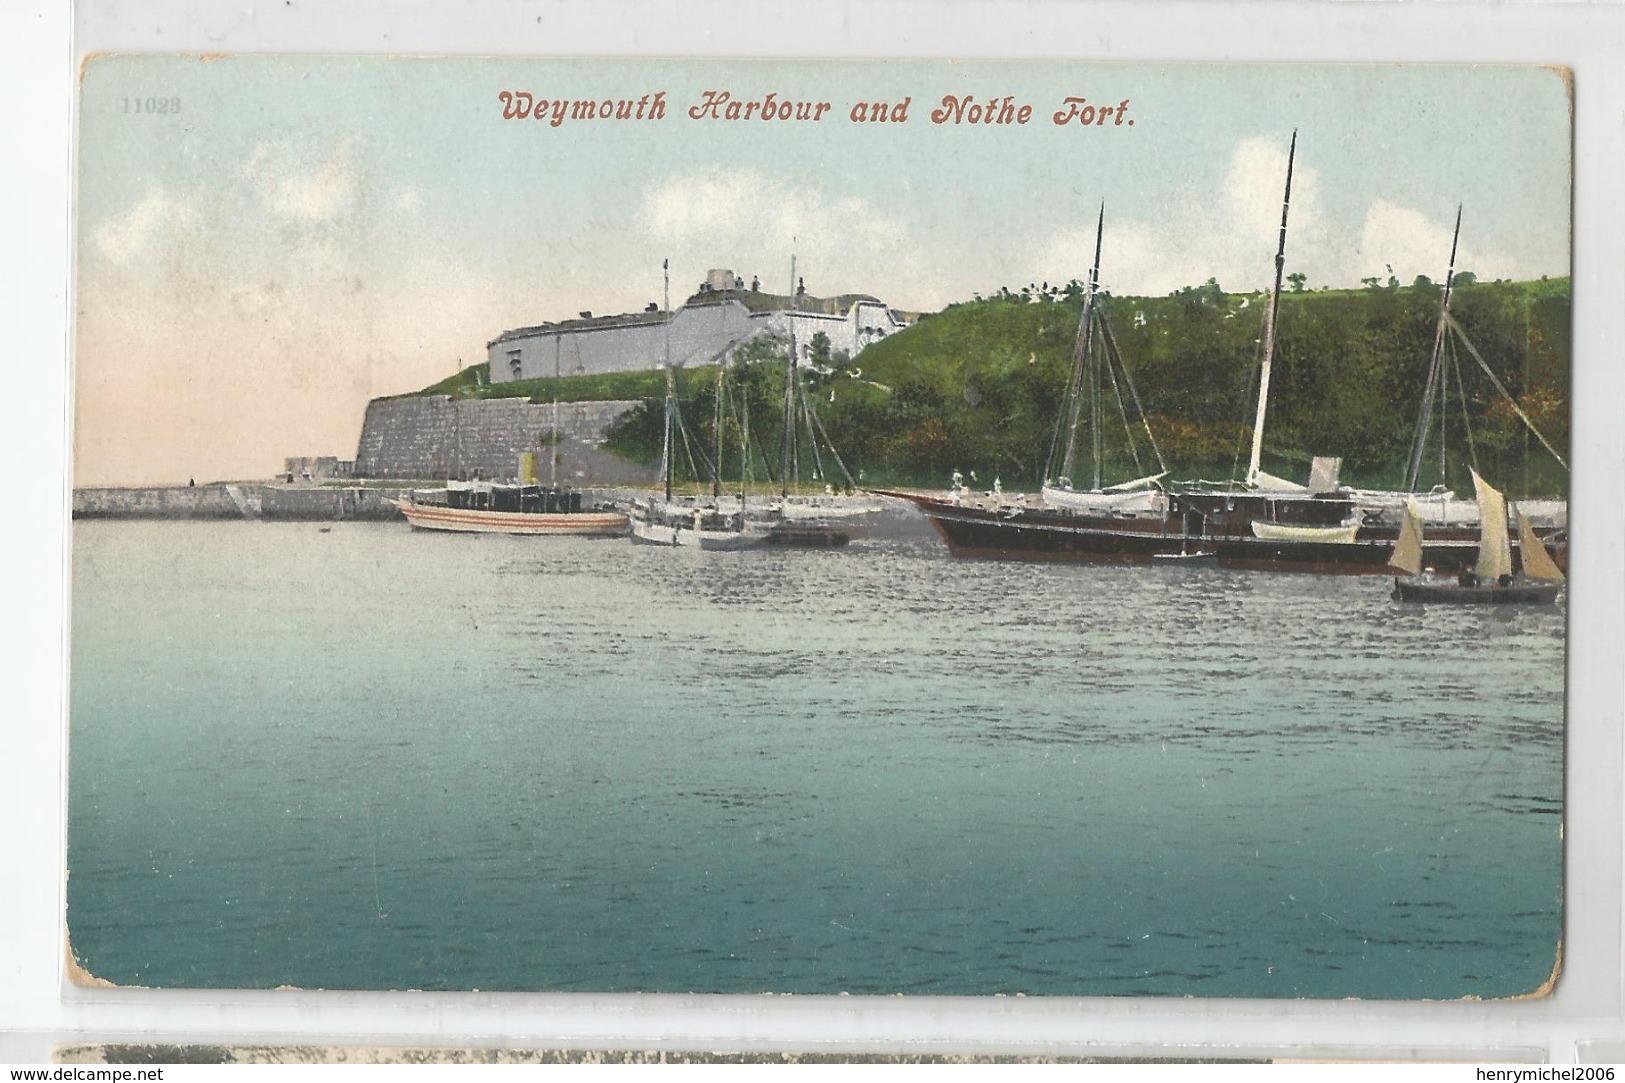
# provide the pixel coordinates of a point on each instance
(1537, 562)
(1408, 552)
(1494, 551)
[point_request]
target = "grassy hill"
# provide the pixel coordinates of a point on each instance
(978, 387)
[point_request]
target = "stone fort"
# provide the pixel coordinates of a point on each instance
(428, 437)
(722, 314)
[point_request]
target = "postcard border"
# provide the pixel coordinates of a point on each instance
(1586, 1005)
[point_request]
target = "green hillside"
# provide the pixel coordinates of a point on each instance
(977, 388)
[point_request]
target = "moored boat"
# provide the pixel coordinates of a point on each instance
(794, 520)
(491, 508)
(672, 523)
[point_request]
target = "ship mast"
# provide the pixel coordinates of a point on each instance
(1080, 359)
(716, 424)
(671, 384)
(1269, 325)
(789, 392)
(553, 445)
(1425, 418)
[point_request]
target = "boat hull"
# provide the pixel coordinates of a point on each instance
(670, 535)
(807, 536)
(603, 524)
(1484, 594)
(1220, 524)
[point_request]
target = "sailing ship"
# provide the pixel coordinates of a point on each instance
(795, 520)
(1091, 367)
(667, 522)
(1491, 580)
(1440, 506)
(1144, 520)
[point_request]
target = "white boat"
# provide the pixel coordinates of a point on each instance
(1440, 507)
(655, 522)
(794, 520)
(490, 508)
(668, 522)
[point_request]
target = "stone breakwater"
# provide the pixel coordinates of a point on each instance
(265, 500)
(249, 500)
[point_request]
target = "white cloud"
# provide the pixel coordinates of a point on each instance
(406, 199)
(1232, 237)
(1413, 244)
(294, 187)
(1229, 234)
(122, 239)
(757, 222)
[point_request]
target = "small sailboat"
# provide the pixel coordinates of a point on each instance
(1323, 472)
(666, 522)
(794, 520)
(1491, 580)
(663, 522)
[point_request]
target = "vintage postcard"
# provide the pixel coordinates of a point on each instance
(873, 528)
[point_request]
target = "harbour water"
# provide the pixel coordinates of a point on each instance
(366, 757)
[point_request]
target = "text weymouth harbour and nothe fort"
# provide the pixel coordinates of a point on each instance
(953, 110)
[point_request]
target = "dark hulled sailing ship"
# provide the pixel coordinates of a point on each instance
(1265, 522)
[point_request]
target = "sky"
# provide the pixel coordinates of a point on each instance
(290, 237)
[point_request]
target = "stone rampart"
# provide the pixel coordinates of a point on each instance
(434, 437)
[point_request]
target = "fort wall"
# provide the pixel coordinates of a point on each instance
(695, 334)
(435, 437)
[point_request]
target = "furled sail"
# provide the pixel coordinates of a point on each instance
(1291, 532)
(1408, 552)
(1107, 501)
(1537, 563)
(1137, 483)
(1494, 551)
